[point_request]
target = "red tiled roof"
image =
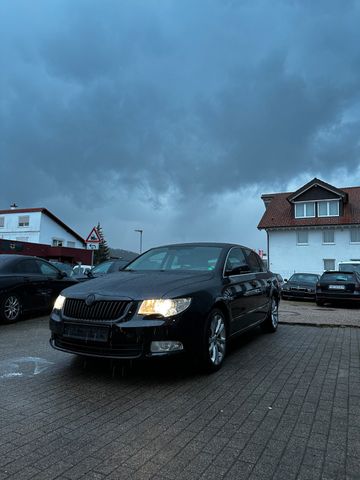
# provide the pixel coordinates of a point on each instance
(279, 212)
(47, 212)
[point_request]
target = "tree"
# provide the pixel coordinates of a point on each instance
(103, 253)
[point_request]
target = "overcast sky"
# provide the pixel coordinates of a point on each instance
(174, 116)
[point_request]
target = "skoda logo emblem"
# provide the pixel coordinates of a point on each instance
(89, 300)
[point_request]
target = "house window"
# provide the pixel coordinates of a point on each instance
(2, 221)
(303, 210)
(329, 236)
(329, 264)
(57, 243)
(302, 237)
(71, 244)
(355, 235)
(24, 221)
(328, 208)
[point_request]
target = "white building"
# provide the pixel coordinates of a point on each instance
(37, 225)
(312, 229)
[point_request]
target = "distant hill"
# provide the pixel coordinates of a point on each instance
(123, 254)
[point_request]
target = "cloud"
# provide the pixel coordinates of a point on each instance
(169, 105)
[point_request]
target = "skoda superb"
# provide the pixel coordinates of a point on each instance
(187, 298)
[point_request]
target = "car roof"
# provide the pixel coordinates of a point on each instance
(201, 244)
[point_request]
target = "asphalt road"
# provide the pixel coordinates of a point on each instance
(284, 406)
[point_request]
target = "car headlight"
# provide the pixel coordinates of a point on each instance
(165, 307)
(59, 302)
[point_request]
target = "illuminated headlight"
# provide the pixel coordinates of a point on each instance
(59, 302)
(165, 308)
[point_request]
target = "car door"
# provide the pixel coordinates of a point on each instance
(260, 286)
(31, 284)
(238, 288)
(54, 281)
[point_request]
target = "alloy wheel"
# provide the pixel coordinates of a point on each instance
(274, 313)
(11, 308)
(217, 339)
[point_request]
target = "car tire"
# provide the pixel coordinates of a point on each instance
(10, 308)
(214, 341)
(271, 321)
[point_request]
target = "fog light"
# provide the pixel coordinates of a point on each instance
(166, 346)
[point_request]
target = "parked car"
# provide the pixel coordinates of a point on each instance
(338, 286)
(300, 285)
(28, 284)
(109, 266)
(172, 299)
(80, 271)
(280, 280)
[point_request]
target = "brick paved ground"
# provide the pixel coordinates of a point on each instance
(308, 313)
(285, 406)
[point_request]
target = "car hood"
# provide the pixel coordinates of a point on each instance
(139, 285)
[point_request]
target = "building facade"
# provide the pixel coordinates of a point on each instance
(37, 225)
(312, 229)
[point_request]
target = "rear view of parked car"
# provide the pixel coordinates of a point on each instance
(300, 286)
(338, 287)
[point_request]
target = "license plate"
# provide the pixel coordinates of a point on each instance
(87, 332)
(337, 287)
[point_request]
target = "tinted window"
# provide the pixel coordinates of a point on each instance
(338, 277)
(47, 269)
(102, 267)
(349, 267)
(236, 260)
(254, 262)
(26, 266)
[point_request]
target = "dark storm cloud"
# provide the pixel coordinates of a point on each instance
(187, 98)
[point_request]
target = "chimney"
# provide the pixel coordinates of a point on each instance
(13, 206)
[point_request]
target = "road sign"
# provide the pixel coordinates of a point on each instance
(92, 246)
(93, 236)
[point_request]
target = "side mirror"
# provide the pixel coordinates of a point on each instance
(63, 274)
(285, 279)
(88, 272)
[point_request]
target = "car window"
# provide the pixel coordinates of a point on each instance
(236, 259)
(254, 262)
(304, 277)
(338, 277)
(102, 267)
(28, 265)
(47, 269)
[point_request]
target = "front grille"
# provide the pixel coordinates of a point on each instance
(101, 310)
(124, 350)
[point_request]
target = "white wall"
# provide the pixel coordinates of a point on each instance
(12, 231)
(286, 257)
(51, 230)
(41, 229)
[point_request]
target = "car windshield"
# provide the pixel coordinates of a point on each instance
(102, 267)
(304, 277)
(337, 277)
(178, 258)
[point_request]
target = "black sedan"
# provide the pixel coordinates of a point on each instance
(300, 286)
(338, 286)
(178, 298)
(28, 284)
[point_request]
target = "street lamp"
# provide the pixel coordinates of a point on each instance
(141, 232)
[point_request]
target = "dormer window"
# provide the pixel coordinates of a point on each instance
(304, 209)
(329, 208)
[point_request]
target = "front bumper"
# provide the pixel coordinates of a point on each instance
(117, 340)
(298, 294)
